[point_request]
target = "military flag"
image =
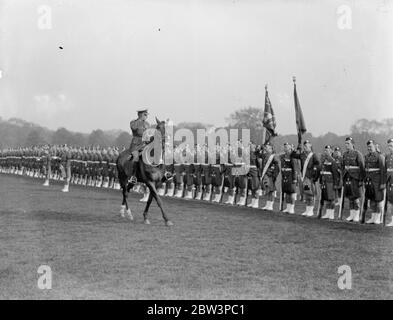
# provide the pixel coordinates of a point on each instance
(300, 124)
(269, 120)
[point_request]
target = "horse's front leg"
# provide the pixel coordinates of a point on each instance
(145, 212)
(154, 194)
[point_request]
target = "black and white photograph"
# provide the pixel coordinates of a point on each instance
(196, 151)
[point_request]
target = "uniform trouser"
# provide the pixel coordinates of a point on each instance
(179, 172)
(189, 176)
(389, 188)
(104, 169)
(241, 183)
(197, 176)
(327, 199)
(309, 191)
(328, 193)
(288, 187)
(352, 192)
(253, 180)
(206, 177)
(217, 178)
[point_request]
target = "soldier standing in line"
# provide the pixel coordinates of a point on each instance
(66, 158)
(105, 167)
(339, 190)
(375, 182)
(353, 175)
(389, 181)
(217, 175)
(288, 179)
(269, 170)
(310, 166)
(329, 180)
(253, 175)
(189, 174)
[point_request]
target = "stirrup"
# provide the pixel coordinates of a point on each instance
(133, 180)
(168, 175)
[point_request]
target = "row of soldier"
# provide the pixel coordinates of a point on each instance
(322, 181)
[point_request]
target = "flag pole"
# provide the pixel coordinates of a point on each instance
(299, 135)
(263, 127)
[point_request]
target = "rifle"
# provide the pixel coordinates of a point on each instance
(384, 208)
(321, 202)
(341, 205)
(363, 205)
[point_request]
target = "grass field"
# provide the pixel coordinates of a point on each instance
(212, 251)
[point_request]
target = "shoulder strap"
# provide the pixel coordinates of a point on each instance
(306, 164)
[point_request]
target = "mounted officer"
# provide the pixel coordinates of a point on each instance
(138, 127)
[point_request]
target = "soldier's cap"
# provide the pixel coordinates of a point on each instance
(268, 144)
(142, 110)
(390, 140)
(287, 144)
(337, 149)
(370, 142)
(349, 139)
(306, 141)
(328, 147)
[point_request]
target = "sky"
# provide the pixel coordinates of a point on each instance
(195, 61)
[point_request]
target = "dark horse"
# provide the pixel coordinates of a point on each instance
(152, 176)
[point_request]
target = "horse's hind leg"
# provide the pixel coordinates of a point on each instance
(145, 212)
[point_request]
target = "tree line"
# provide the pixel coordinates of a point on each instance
(17, 132)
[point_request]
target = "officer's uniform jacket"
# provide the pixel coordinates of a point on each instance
(375, 176)
(389, 176)
(288, 173)
(138, 127)
(353, 173)
(329, 177)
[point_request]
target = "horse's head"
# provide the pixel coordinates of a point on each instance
(161, 127)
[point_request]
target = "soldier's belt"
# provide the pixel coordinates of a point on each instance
(286, 169)
(352, 167)
(326, 172)
(112, 164)
(390, 169)
(372, 170)
(216, 166)
(252, 166)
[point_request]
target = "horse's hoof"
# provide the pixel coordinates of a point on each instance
(169, 223)
(146, 221)
(129, 214)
